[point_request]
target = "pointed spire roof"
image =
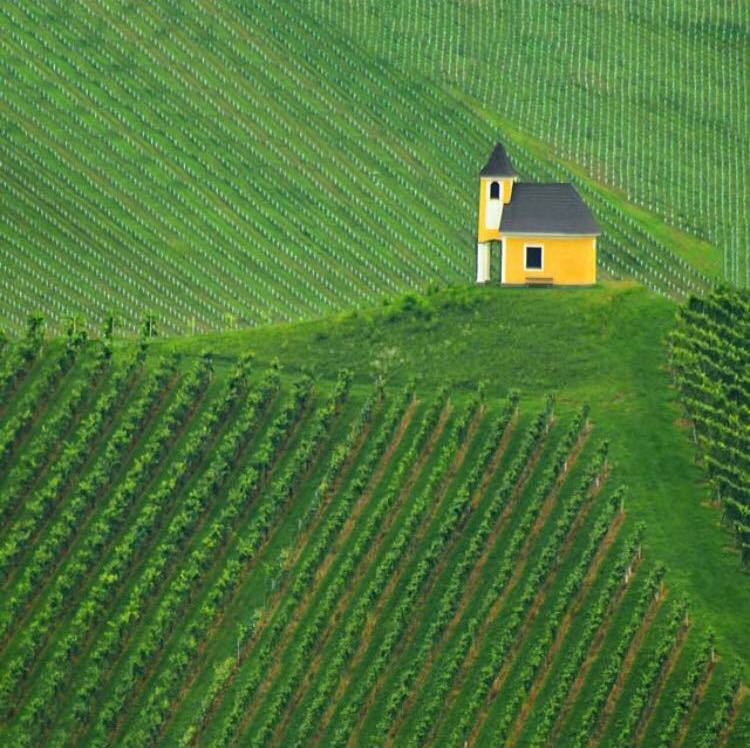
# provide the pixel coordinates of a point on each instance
(498, 164)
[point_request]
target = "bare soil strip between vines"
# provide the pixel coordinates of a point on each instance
(734, 711)
(518, 572)
(491, 470)
(436, 573)
(364, 641)
(700, 692)
(661, 681)
(538, 601)
(364, 500)
(625, 667)
(593, 651)
(360, 505)
(474, 576)
(562, 632)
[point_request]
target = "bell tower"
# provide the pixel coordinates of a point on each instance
(495, 190)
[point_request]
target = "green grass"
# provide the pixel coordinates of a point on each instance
(603, 346)
(297, 182)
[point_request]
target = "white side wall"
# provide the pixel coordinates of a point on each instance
(483, 262)
(494, 209)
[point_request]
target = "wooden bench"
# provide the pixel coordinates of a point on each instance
(535, 281)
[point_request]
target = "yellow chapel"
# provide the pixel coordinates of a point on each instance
(544, 233)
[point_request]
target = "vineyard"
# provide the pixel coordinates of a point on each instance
(203, 545)
(223, 167)
(275, 472)
(711, 359)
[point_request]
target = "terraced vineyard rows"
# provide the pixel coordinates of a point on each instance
(710, 351)
(221, 554)
(271, 170)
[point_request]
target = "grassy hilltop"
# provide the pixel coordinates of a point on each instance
(605, 347)
(303, 555)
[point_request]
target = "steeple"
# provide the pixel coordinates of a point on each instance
(498, 164)
(495, 190)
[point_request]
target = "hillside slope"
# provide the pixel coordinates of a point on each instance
(229, 166)
(223, 550)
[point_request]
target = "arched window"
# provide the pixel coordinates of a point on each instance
(495, 191)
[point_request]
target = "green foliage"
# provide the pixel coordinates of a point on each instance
(710, 358)
(713, 730)
(685, 695)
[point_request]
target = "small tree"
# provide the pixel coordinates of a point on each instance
(34, 326)
(149, 330)
(74, 331)
(108, 330)
(108, 327)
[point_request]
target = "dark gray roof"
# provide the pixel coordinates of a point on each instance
(498, 164)
(547, 209)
